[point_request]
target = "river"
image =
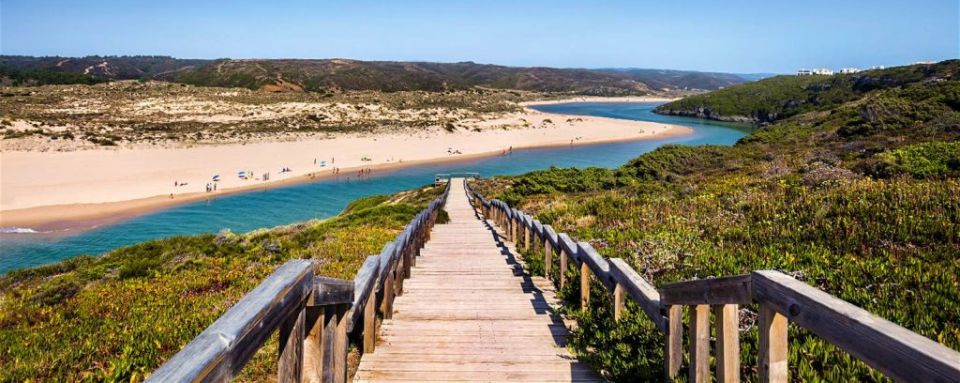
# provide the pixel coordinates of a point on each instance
(279, 206)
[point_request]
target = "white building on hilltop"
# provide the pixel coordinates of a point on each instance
(849, 70)
(819, 71)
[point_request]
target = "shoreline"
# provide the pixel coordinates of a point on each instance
(599, 99)
(63, 218)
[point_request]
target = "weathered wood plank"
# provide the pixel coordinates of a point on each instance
(290, 361)
(728, 343)
(673, 353)
(773, 346)
(699, 344)
(712, 291)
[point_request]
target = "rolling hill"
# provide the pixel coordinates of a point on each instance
(780, 97)
(341, 74)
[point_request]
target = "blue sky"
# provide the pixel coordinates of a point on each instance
(731, 36)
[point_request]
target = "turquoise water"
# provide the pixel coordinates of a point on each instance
(279, 206)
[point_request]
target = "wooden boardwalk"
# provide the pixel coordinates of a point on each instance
(469, 314)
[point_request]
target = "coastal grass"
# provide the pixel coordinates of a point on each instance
(860, 201)
(118, 316)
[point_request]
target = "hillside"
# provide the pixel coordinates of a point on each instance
(780, 97)
(341, 74)
(858, 197)
(118, 316)
(665, 79)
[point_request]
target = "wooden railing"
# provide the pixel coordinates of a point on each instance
(895, 351)
(314, 316)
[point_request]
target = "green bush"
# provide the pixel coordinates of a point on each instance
(926, 160)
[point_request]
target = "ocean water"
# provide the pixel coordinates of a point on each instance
(325, 198)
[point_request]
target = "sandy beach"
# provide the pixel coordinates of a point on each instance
(60, 190)
(600, 99)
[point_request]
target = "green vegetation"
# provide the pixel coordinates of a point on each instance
(335, 75)
(780, 97)
(860, 200)
(40, 76)
(118, 316)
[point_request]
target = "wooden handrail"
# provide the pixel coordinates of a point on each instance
(313, 316)
(896, 351)
(222, 349)
(885, 346)
(712, 291)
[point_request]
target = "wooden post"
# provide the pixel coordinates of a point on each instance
(526, 237)
(515, 231)
(387, 306)
(370, 324)
(334, 335)
(547, 257)
(398, 278)
(618, 302)
(312, 353)
(407, 260)
(563, 268)
(584, 286)
(674, 354)
(699, 344)
(773, 346)
(728, 343)
(341, 344)
(290, 363)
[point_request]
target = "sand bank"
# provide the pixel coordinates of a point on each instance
(60, 190)
(600, 99)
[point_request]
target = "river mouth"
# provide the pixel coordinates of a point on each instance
(251, 210)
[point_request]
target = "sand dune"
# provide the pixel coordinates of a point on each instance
(50, 189)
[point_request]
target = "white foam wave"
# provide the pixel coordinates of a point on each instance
(17, 230)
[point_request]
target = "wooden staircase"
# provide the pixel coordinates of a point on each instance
(469, 314)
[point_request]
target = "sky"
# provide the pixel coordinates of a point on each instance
(728, 36)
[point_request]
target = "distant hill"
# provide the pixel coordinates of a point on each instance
(678, 79)
(341, 74)
(779, 97)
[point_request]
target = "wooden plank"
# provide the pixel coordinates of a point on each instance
(223, 348)
(290, 347)
(370, 324)
(618, 302)
(674, 343)
(328, 344)
(341, 343)
(897, 352)
(563, 268)
(547, 257)
(773, 346)
(584, 286)
(699, 344)
(712, 291)
(728, 343)
(331, 291)
(642, 292)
